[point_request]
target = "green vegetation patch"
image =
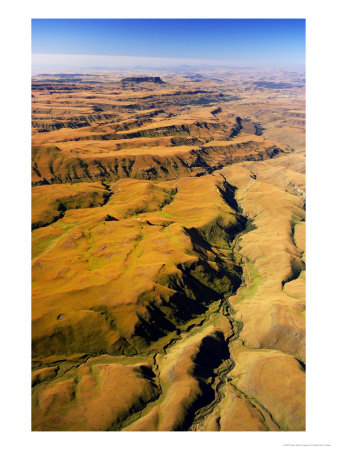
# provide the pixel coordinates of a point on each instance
(254, 280)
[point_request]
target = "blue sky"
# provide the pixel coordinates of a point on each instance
(259, 41)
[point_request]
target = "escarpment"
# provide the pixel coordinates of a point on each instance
(153, 153)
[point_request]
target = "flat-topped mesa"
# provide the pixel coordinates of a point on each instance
(143, 80)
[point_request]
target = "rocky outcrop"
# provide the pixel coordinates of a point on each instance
(157, 80)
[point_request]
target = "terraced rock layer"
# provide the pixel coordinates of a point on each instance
(160, 153)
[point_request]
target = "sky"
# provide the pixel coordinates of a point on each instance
(113, 42)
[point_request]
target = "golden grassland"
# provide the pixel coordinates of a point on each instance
(168, 254)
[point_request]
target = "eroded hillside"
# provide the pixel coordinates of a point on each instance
(168, 265)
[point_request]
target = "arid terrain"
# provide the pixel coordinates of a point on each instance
(168, 251)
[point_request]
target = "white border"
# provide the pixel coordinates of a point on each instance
(15, 223)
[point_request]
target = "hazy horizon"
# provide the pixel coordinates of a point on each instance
(98, 63)
(103, 44)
